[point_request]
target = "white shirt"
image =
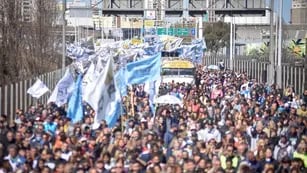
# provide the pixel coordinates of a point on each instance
(207, 134)
(66, 156)
(13, 162)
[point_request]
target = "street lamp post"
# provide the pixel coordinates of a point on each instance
(271, 72)
(231, 43)
(63, 35)
(278, 68)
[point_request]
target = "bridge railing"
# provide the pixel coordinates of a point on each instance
(14, 96)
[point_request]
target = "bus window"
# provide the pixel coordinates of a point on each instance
(169, 72)
(189, 72)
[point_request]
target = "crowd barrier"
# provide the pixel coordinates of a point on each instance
(291, 75)
(14, 96)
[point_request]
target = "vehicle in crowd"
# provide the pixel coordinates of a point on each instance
(177, 70)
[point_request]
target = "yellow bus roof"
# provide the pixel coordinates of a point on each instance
(177, 64)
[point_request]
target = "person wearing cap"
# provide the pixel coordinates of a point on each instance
(224, 116)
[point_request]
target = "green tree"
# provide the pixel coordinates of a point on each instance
(297, 47)
(217, 36)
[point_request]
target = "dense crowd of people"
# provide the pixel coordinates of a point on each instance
(228, 123)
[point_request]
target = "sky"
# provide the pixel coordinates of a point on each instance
(286, 9)
(287, 4)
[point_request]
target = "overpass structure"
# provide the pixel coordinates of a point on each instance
(133, 14)
(159, 9)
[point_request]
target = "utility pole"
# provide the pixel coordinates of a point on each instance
(278, 68)
(271, 72)
(63, 35)
(231, 44)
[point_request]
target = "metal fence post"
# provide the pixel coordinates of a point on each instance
(5, 100)
(12, 103)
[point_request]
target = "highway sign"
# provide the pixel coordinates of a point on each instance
(176, 31)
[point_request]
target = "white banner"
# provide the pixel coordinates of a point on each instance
(101, 93)
(38, 89)
(62, 90)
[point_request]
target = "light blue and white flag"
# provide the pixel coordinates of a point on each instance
(187, 51)
(114, 113)
(89, 76)
(116, 106)
(150, 88)
(144, 70)
(153, 49)
(38, 89)
(120, 82)
(116, 110)
(101, 93)
(199, 50)
(171, 44)
(74, 51)
(63, 89)
(75, 106)
(78, 52)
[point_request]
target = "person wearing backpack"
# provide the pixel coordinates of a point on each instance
(283, 149)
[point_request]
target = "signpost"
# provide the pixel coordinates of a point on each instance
(161, 31)
(176, 31)
(171, 31)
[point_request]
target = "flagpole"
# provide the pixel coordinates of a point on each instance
(121, 111)
(122, 118)
(63, 35)
(132, 101)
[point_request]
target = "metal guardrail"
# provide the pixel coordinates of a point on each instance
(291, 74)
(14, 96)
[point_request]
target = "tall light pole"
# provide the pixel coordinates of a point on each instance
(271, 72)
(231, 44)
(278, 68)
(63, 35)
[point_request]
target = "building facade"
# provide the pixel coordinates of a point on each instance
(27, 10)
(299, 12)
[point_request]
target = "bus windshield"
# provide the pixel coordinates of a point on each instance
(177, 71)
